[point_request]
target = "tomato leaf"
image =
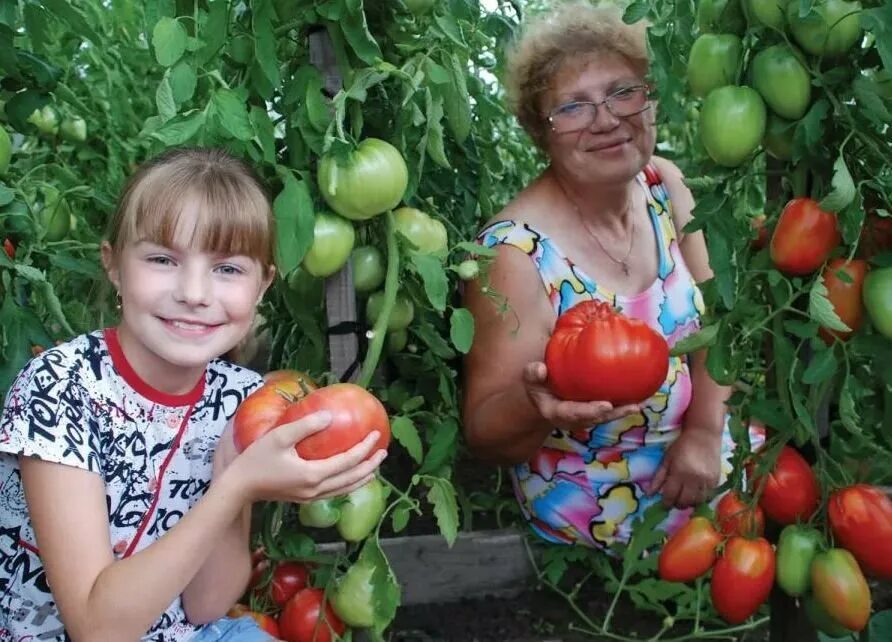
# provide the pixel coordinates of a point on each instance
(810, 131)
(848, 412)
(68, 12)
(442, 496)
(399, 518)
(405, 432)
(265, 133)
(843, 187)
(167, 107)
(230, 109)
(183, 81)
(295, 221)
(636, 11)
(821, 367)
(700, 339)
(434, 137)
(442, 447)
(821, 310)
(265, 41)
(385, 588)
(456, 101)
(436, 285)
(180, 129)
(461, 329)
(448, 27)
(214, 30)
(879, 21)
(356, 32)
(169, 40)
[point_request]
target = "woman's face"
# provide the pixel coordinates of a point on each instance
(607, 148)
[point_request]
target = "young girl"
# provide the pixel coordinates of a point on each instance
(124, 508)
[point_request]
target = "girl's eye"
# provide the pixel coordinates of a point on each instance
(160, 260)
(230, 270)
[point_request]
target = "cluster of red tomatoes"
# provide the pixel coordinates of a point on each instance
(829, 580)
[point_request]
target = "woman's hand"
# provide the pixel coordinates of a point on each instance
(270, 468)
(568, 415)
(691, 468)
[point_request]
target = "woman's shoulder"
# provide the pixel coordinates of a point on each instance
(679, 194)
(523, 209)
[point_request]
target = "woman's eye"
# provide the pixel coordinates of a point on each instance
(626, 93)
(569, 109)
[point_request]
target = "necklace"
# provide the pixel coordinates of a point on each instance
(623, 262)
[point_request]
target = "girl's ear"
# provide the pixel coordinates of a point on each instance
(110, 264)
(267, 281)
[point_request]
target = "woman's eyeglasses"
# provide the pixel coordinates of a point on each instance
(580, 114)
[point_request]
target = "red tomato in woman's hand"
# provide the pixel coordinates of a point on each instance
(845, 296)
(259, 413)
(690, 552)
(742, 578)
(288, 579)
(790, 493)
(597, 354)
(735, 517)
(803, 237)
(355, 413)
(300, 620)
(860, 517)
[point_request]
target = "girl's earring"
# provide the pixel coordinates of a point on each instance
(118, 301)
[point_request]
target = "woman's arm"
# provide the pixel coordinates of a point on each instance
(222, 578)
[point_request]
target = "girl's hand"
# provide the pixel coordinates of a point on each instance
(568, 415)
(270, 468)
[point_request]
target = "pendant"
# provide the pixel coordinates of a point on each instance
(625, 268)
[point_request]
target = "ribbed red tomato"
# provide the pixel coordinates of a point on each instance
(302, 621)
(860, 517)
(690, 552)
(742, 578)
(355, 413)
(790, 493)
(258, 414)
(736, 517)
(288, 579)
(803, 237)
(845, 296)
(597, 354)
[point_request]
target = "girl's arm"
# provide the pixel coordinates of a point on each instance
(101, 599)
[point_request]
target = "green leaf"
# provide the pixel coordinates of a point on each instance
(843, 188)
(405, 432)
(442, 496)
(456, 101)
(433, 275)
(809, 133)
(385, 588)
(871, 101)
(169, 40)
(821, 310)
(68, 12)
(164, 101)
(700, 339)
(318, 106)
(230, 109)
(848, 412)
(73, 264)
(295, 220)
(442, 447)
(265, 132)
(363, 80)
(265, 41)
(180, 129)
(356, 33)
(820, 368)
(36, 26)
(636, 11)
(7, 196)
(434, 136)
(461, 329)
(214, 30)
(399, 518)
(449, 28)
(879, 22)
(183, 81)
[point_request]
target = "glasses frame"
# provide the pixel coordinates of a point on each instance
(607, 102)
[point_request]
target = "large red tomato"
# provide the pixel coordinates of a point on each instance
(840, 587)
(690, 552)
(742, 578)
(845, 296)
(300, 620)
(876, 235)
(860, 517)
(597, 354)
(735, 517)
(790, 492)
(803, 237)
(355, 413)
(266, 622)
(258, 414)
(288, 579)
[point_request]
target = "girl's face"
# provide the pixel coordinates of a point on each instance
(182, 306)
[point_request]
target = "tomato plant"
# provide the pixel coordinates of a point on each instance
(46, 120)
(796, 548)
(368, 268)
(5, 151)
(831, 28)
(789, 492)
(803, 237)
(714, 62)
(742, 578)
(288, 578)
(860, 518)
(769, 13)
(426, 234)
(352, 598)
(361, 511)
(731, 146)
(734, 516)
(778, 138)
(74, 129)
(468, 270)
(840, 588)
(690, 552)
(844, 293)
(333, 239)
(308, 617)
(720, 16)
(877, 295)
(783, 82)
(400, 317)
(321, 513)
(355, 413)
(595, 353)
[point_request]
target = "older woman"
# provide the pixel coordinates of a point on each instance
(604, 221)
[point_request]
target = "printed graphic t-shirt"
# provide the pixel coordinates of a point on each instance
(81, 404)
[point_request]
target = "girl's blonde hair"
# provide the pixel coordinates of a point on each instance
(572, 33)
(234, 214)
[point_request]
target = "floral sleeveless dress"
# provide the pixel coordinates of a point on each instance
(589, 486)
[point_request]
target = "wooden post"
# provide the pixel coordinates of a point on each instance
(340, 299)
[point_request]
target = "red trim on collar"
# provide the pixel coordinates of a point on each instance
(119, 359)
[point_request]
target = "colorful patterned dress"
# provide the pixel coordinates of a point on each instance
(589, 486)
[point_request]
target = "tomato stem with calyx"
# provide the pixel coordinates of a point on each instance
(391, 285)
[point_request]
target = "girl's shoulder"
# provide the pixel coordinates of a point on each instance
(225, 374)
(78, 358)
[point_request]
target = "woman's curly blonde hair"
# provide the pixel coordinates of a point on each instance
(574, 32)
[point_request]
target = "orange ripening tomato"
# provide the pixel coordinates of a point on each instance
(840, 587)
(860, 517)
(735, 517)
(355, 413)
(690, 552)
(845, 296)
(265, 622)
(790, 493)
(597, 354)
(742, 578)
(803, 237)
(259, 413)
(293, 382)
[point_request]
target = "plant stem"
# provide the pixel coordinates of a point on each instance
(391, 285)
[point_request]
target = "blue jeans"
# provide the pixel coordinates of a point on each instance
(226, 629)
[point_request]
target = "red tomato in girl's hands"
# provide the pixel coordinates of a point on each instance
(288, 579)
(355, 413)
(791, 493)
(597, 354)
(742, 578)
(301, 620)
(735, 517)
(690, 552)
(257, 415)
(860, 517)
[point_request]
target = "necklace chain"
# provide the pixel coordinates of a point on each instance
(623, 262)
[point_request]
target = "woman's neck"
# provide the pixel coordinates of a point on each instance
(603, 205)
